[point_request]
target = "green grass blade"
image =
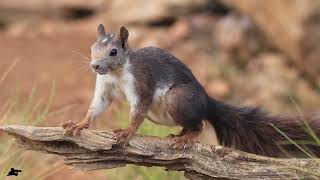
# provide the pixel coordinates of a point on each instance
(309, 130)
(43, 114)
(291, 141)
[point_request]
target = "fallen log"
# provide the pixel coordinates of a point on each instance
(97, 150)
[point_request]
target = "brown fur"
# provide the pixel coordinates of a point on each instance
(249, 129)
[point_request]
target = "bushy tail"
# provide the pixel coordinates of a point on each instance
(251, 130)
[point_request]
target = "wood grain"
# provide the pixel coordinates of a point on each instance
(97, 150)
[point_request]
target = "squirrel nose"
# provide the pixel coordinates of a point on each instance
(95, 66)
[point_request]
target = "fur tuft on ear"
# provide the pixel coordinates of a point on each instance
(123, 36)
(101, 31)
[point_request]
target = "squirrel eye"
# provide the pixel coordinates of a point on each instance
(113, 52)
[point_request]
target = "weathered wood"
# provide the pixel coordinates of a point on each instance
(97, 150)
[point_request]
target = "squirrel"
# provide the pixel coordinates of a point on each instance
(162, 89)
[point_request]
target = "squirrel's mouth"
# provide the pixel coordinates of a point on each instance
(101, 71)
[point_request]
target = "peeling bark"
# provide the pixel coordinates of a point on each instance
(97, 150)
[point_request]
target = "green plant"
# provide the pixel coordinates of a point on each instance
(31, 112)
(301, 144)
(138, 172)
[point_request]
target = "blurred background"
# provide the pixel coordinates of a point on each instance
(261, 53)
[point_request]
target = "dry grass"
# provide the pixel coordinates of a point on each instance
(34, 165)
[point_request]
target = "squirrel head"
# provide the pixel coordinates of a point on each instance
(110, 52)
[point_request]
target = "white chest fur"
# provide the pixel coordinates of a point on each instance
(126, 85)
(158, 112)
(123, 85)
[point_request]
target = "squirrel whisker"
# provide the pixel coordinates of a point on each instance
(81, 68)
(82, 61)
(81, 55)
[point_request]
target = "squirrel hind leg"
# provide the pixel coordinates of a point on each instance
(187, 105)
(185, 139)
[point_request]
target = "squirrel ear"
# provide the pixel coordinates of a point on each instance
(123, 36)
(101, 31)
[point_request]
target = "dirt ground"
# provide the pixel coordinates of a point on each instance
(42, 60)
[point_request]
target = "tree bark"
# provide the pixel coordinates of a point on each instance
(97, 150)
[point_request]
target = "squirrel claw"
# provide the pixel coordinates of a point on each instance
(67, 124)
(74, 129)
(116, 131)
(69, 130)
(65, 132)
(181, 144)
(122, 136)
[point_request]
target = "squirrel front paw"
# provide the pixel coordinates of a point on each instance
(71, 128)
(67, 124)
(123, 135)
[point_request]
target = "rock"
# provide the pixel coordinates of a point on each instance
(269, 82)
(237, 36)
(291, 26)
(145, 11)
(180, 30)
(14, 10)
(43, 6)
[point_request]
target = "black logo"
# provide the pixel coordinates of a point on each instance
(13, 172)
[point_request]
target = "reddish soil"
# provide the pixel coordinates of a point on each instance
(43, 59)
